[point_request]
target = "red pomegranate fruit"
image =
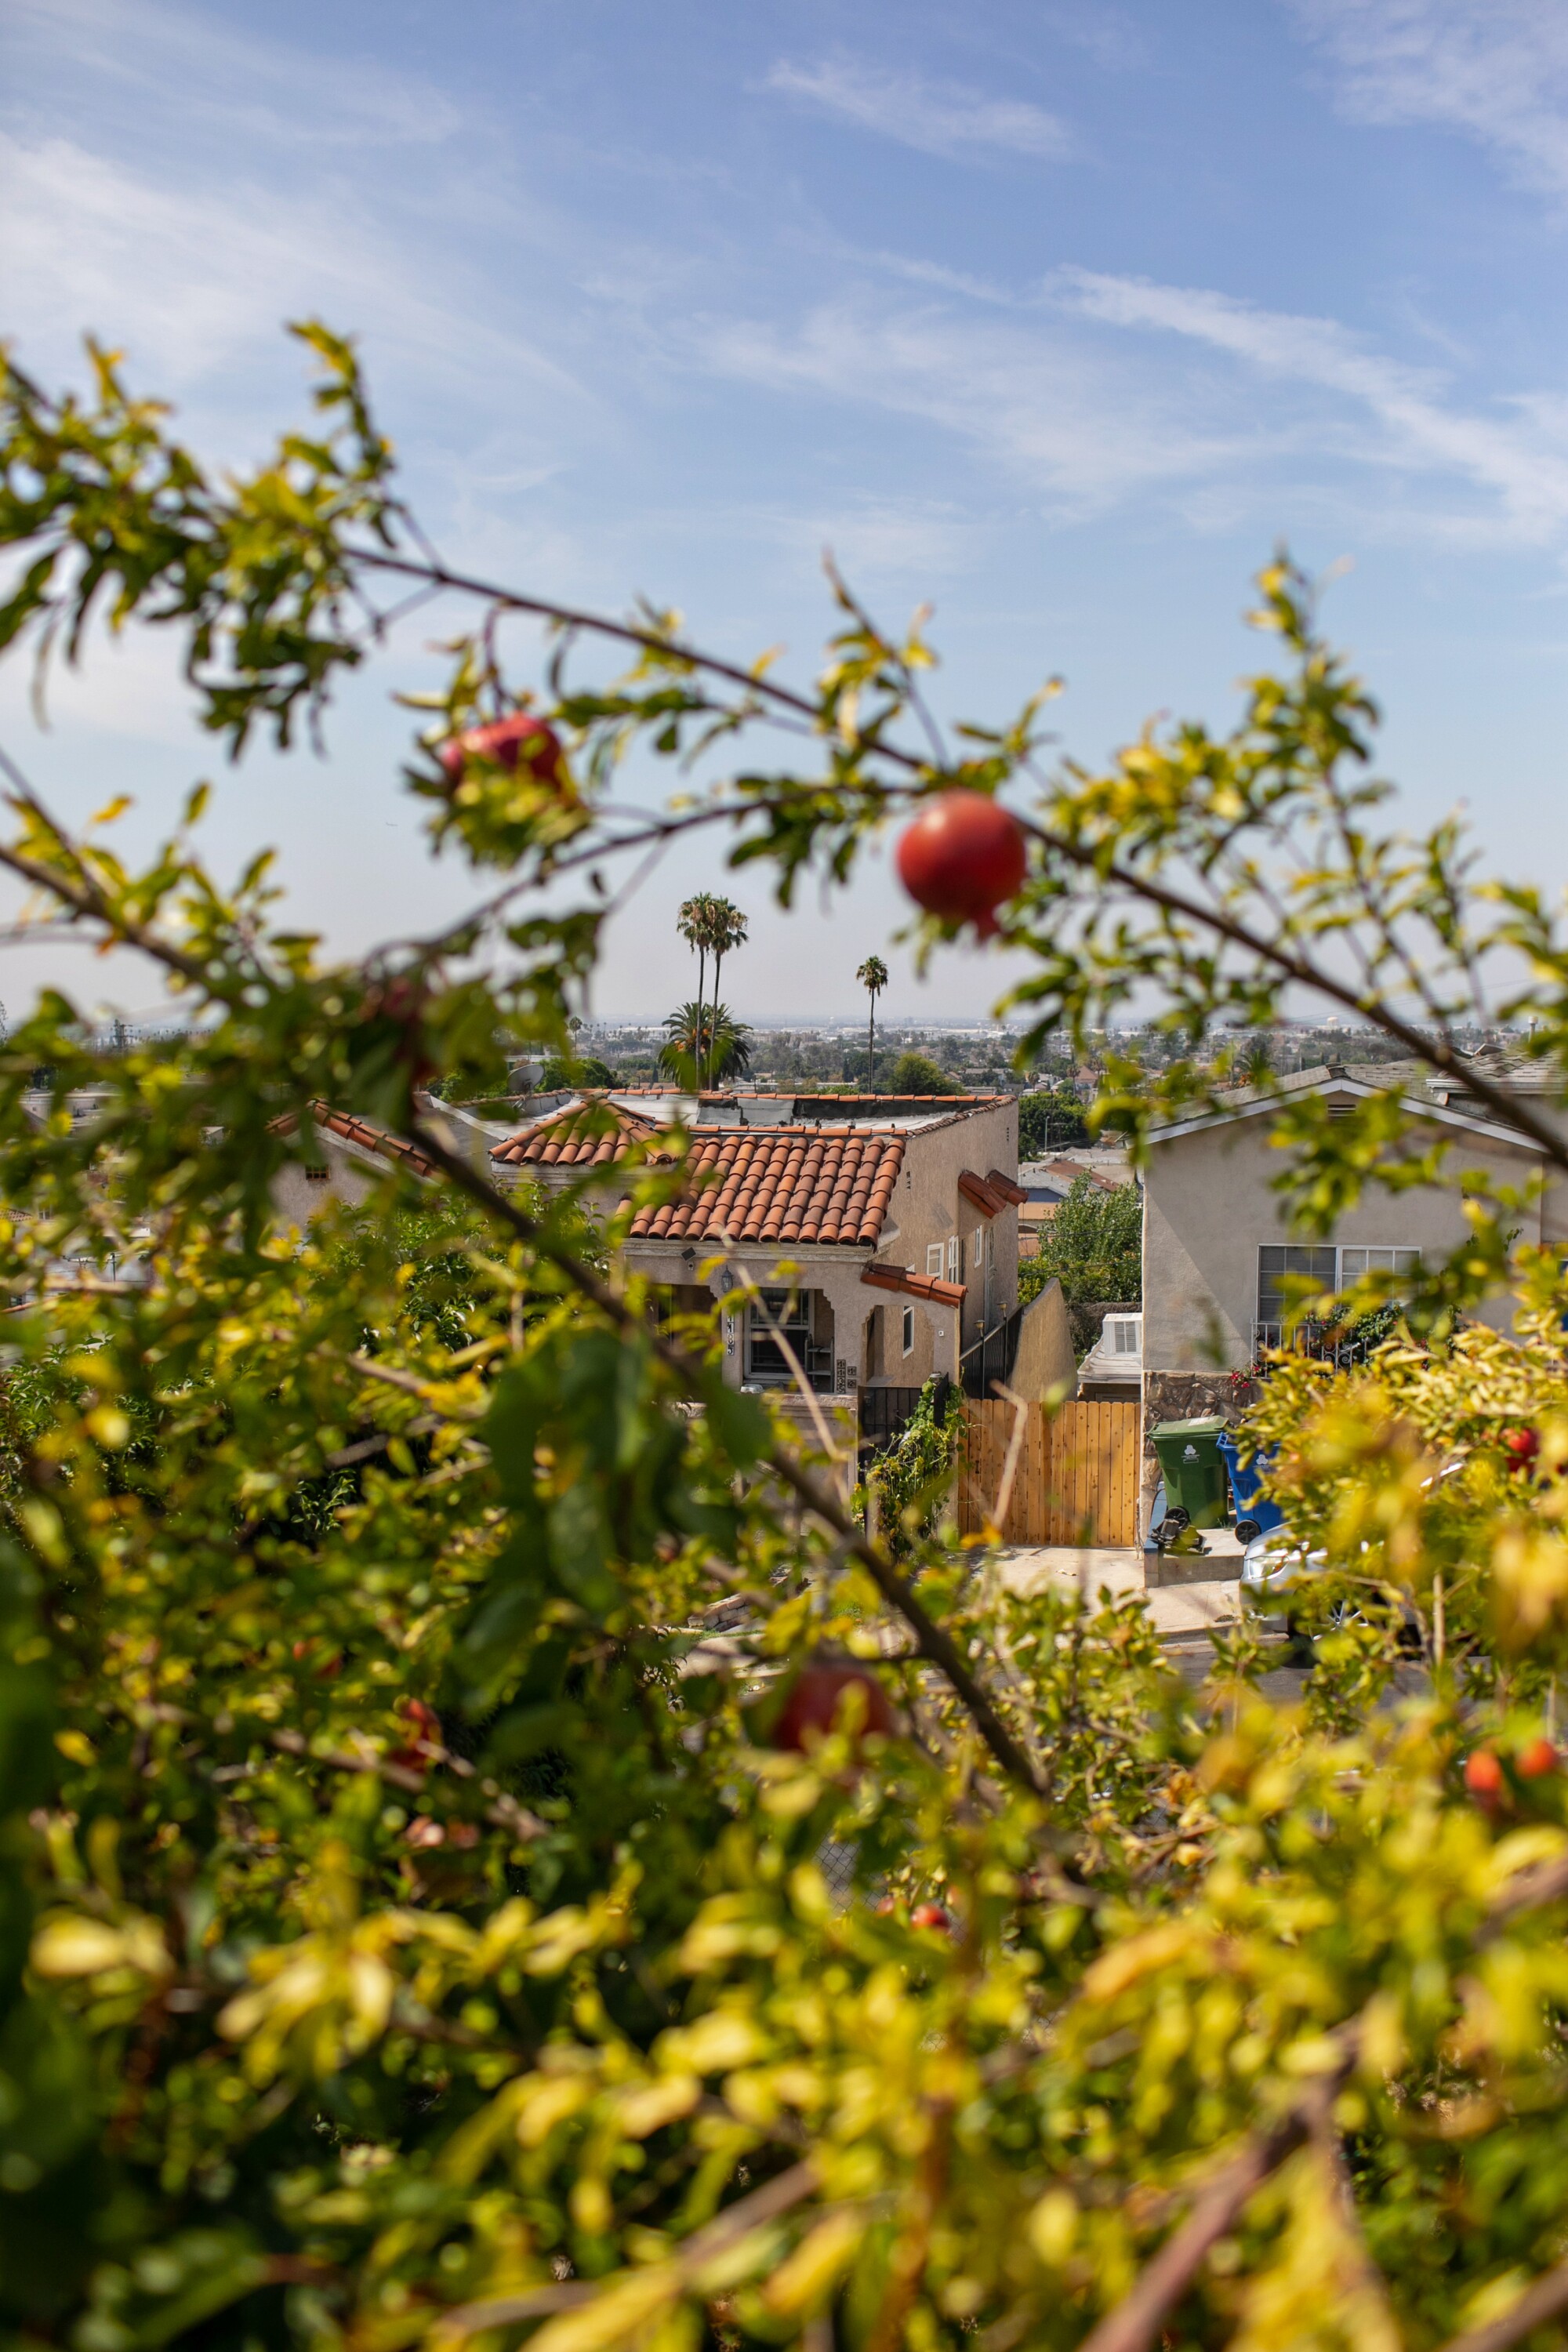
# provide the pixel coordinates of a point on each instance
(510, 742)
(931, 1915)
(815, 1699)
(961, 857)
(1484, 1776)
(1536, 1759)
(425, 1736)
(1522, 1446)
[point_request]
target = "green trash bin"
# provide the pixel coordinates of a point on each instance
(1192, 1468)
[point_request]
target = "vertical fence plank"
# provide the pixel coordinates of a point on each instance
(1076, 1476)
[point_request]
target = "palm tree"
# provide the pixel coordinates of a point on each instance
(704, 1037)
(695, 924)
(727, 932)
(872, 975)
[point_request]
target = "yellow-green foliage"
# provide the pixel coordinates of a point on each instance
(403, 1937)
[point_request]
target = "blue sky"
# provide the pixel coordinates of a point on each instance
(1058, 315)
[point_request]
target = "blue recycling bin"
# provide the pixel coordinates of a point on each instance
(1253, 1507)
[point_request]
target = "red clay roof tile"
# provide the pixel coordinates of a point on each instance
(350, 1128)
(975, 1188)
(1006, 1187)
(781, 1184)
(917, 1286)
(744, 1185)
(584, 1135)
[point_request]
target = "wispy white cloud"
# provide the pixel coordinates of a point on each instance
(92, 242)
(1065, 392)
(230, 80)
(1495, 69)
(1076, 427)
(1109, 35)
(1518, 455)
(939, 118)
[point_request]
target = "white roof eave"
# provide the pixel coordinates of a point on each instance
(1435, 1113)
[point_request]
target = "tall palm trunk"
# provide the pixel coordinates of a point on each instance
(697, 1041)
(871, 1049)
(713, 1048)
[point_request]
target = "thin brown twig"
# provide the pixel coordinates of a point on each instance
(1366, 2282)
(1138, 2319)
(1546, 2299)
(1003, 1503)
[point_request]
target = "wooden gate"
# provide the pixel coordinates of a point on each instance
(1076, 1478)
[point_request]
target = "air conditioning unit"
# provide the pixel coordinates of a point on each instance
(1123, 1335)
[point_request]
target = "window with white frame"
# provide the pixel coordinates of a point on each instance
(909, 1331)
(1282, 1266)
(933, 1259)
(956, 1259)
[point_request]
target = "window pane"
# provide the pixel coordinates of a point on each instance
(1377, 1258)
(933, 1259)
(1278, 1259)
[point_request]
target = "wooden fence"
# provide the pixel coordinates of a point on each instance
(1077, 1478)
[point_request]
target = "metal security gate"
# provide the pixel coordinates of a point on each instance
(1075, 1474)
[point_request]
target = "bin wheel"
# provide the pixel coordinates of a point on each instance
(1247, 1532)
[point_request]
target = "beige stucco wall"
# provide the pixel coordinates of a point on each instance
(296, 1198)
(927, 1207)
(1045, 1358)
(1208, 1208)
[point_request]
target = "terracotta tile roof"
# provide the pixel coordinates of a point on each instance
(589, 1134)
(917, 1286)
(974, 1188)
(782, 1184)
(1006, 1187)
(349, 1129)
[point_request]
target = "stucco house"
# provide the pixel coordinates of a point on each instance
(1216, 1246)
(881, 1235)
(351, 1155)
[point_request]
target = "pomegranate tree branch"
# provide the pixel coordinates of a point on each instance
(1440, 1052)
(1139, 2318)
(933, 1642)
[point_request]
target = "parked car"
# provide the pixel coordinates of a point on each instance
(1274, 1566)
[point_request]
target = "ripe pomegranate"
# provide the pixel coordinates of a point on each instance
(1522, 1446)
(931, 1915)
(506, 742)
(1484, 1778)
(1536, 1759)
(961, 857)
(425, 1736)
(815, 1698)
